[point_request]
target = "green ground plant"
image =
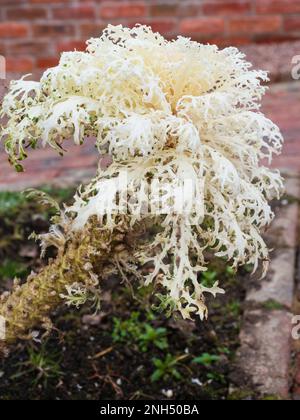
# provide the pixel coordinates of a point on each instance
(167, 367)
(42, 365)
(207, 359)
(140, 333)
(273, 305)
(9, 269)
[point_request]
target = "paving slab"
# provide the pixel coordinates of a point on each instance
(264, 355)
(278, 285)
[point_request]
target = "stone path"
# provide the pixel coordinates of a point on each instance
(265, 357)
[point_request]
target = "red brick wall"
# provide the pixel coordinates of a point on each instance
(34, 32)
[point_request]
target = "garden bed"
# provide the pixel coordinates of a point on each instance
(129, 350)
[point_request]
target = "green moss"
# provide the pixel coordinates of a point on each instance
(241, 394)
(29, 305)
(272, 305)
(271, 398)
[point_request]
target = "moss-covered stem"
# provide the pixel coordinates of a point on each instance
(29, 306)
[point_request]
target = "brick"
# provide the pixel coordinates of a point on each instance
(227, 8)
(277, 6)
(275, 39)
(123, 10)
(255, 24)
(91, 29)
(19, 64)
(48, 30)
(13, 30)
(187, 9)
(11, 2)
(48, 1)
(71, 46)
(26, 14)
(163, 26)
(181, 9)
(226, 41)
(28, 47)
(164, 9)
(80, 162)
(292, 23)
(79, 12)
(47, 62)
(203, 26)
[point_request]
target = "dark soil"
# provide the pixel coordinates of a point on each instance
(107, 356)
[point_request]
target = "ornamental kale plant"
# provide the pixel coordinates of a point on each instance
(170, 113)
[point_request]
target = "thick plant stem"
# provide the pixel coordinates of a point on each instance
(85, 253)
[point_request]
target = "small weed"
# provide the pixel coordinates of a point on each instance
(164, 369)
(142, 334)
(166, 305)
(216, 377)
(206, 359)
(230, 271)
(272, 305)
(153, 336)
(224, 350)
(43, 365)
(248, 268)
(128, 330)
(208, 278)
(234, 308)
